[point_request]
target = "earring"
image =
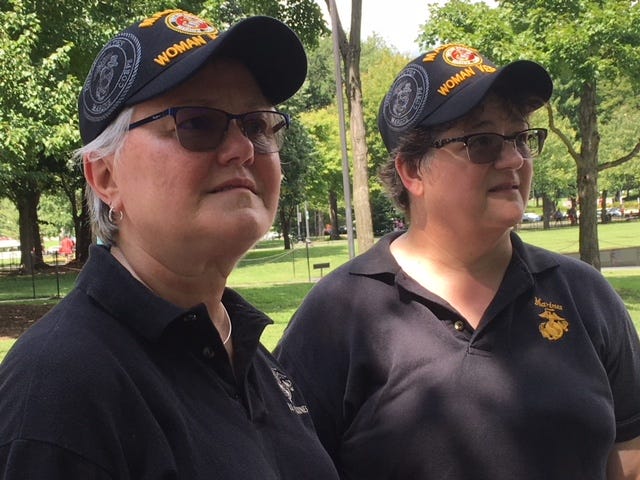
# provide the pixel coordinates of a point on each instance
(118, 214)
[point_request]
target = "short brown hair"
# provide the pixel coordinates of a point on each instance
(414, 147)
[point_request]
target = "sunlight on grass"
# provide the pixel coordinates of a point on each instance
(5, 345)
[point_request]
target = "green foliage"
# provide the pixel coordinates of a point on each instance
(53, 214)
(8, 219)
(554, 169)
(303, 16)
(297, 158)
(326, 172)
(319, 89)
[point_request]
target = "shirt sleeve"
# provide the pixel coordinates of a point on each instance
(312, 351)
(623, 370)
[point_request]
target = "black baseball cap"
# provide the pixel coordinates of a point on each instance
(446, 83)
(160, 52)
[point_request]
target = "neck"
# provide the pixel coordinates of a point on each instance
(184, 291)
(467, 276)
(182, 288)
(473, 251)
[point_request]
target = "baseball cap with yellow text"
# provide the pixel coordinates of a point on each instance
(446, 83)
(158, 53)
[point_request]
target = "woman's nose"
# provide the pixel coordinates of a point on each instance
(236, 146)
(510, 156)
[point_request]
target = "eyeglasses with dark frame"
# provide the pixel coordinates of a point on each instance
(483, 148)
(203, 129)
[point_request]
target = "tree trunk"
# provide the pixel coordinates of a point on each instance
(548, 207)
(30, 244)
(587, 173)
(350, 51)
(361, 203)
(84, 237)
(604, 218)
(285, 224)
(333, 212)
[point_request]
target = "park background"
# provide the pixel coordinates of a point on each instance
(276, 281)
(590, 163)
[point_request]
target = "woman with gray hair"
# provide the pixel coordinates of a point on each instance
(151, 368)
(454, 350)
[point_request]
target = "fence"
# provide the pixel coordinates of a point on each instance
(34, 284)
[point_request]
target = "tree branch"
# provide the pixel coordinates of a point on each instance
(552, 126)
(343, 42)
(621, 160)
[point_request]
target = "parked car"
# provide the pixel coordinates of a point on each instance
(530, 217)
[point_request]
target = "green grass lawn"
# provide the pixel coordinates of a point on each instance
(276, 281)
(565, 239)
(4, 347)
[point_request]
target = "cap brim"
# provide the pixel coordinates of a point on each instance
(271, 50)
(526, 78)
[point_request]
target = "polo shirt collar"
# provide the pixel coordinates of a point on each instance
(378, 259)
(112, 286)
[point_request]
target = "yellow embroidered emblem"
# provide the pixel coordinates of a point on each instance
(554, 327)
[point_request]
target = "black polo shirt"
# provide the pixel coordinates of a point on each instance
(400, 386)
(116, 383)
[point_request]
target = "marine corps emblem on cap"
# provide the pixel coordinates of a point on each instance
(461, 56)
(406, 98)
(184, 22)
(112, 75)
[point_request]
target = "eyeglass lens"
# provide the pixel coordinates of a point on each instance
(486, 147)
(203, 129)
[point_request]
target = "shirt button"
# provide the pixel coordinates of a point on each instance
(459, 325)
(208, 352)
(189, 317)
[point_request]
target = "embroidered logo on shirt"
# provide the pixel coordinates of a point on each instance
(286, 385)
(554, 327)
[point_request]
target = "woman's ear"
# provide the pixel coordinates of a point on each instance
(100, 176)
(411, 175)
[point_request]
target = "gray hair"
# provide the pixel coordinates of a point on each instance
(109, 142)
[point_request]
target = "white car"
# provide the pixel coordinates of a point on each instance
(529, 217)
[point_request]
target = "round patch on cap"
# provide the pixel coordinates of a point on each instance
(461, 56)
(406, 98)
(183, 22)
(111, 77)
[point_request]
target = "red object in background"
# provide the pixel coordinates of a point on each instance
(66, 246)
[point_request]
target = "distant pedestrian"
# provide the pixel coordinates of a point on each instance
(67, 247)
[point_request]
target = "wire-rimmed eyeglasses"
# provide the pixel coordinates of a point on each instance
(202, 129)
(485, 148)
